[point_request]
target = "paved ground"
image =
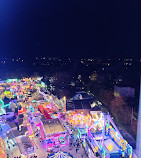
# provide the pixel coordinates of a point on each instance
(77, 154)
(41, 150)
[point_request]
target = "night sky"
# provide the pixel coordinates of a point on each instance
(69, 28)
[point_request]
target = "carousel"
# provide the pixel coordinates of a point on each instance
(60, 154)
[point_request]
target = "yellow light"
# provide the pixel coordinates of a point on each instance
(96, 149)
(110, 147)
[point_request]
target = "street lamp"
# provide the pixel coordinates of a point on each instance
(139, 127)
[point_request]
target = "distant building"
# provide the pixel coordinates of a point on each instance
(82, 95)
(81, 100)
(124, 91)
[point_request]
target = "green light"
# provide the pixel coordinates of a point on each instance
(43, 83)
(103, 153)
(12, 80)
(1, 102)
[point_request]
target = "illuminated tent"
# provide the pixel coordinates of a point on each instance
(60, 154)
(44, 112)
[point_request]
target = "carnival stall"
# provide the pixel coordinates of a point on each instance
(53, 131)
(26, 146)
(47, 110)
(78, 118)
(2, 149)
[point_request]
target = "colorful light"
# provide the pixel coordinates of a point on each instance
(12, 80)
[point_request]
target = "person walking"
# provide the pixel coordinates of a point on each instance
(77, 150)
(8, 146)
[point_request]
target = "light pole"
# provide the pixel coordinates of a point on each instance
(64, 102)
(138, 144)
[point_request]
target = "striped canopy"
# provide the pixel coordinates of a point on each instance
(60, 154)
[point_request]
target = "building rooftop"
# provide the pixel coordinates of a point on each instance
(53, 126)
